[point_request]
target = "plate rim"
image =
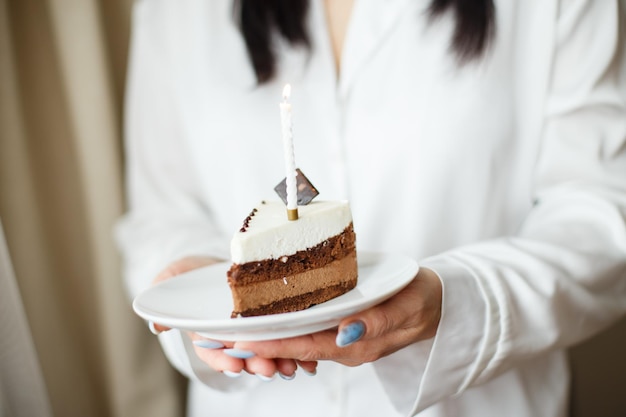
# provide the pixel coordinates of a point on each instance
(252, 328)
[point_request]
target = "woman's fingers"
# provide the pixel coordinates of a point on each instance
(286, 368)
(156, 328)
(350, 333)
(309, 367)
(265, 369)
(224, 357)
(212, 353)
(307, 348)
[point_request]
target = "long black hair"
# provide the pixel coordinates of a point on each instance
(258, 19)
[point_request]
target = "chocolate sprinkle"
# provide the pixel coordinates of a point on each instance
(246, 221)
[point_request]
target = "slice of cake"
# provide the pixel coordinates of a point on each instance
(281, 266)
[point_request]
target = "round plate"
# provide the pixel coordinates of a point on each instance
(200, 301)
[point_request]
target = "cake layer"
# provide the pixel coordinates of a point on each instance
(266, 233)
(297, 291)
(334, 248)
(297, 303)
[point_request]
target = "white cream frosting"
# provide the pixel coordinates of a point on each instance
(270, 235)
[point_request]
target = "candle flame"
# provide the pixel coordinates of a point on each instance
(286, 91)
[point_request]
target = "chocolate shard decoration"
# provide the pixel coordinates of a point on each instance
(306, 191)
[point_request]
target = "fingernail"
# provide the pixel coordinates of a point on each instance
(350, 333)
(231, 374)
(287, 377)
(153, 329)
(239, 353)
(265, 378)
(309, 373)
(208, 344)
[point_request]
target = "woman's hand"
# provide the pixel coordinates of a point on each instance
(408, 317)
(224, 357)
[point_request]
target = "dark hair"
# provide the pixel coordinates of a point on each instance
(258, 19)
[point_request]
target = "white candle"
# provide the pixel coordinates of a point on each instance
(290, 160)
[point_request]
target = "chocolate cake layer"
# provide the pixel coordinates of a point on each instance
(332, 249)
(297, 291)
(296, 303)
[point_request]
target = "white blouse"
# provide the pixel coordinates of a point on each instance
(506, 176)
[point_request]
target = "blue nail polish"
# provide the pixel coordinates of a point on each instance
(287, 377)
(239, 353)
(231, 374)
(208, 344)
(308, 373)
(265, 378)
(350, 334)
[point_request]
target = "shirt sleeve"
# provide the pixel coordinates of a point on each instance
(166, 218)
(562, 278)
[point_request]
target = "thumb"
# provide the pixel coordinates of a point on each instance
(368, 324)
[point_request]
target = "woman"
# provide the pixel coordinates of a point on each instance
(486, 141)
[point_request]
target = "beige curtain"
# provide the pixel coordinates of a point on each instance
(62, 66)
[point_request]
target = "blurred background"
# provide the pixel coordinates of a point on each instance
(70, 344)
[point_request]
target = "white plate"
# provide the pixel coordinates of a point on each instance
(200, 301)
